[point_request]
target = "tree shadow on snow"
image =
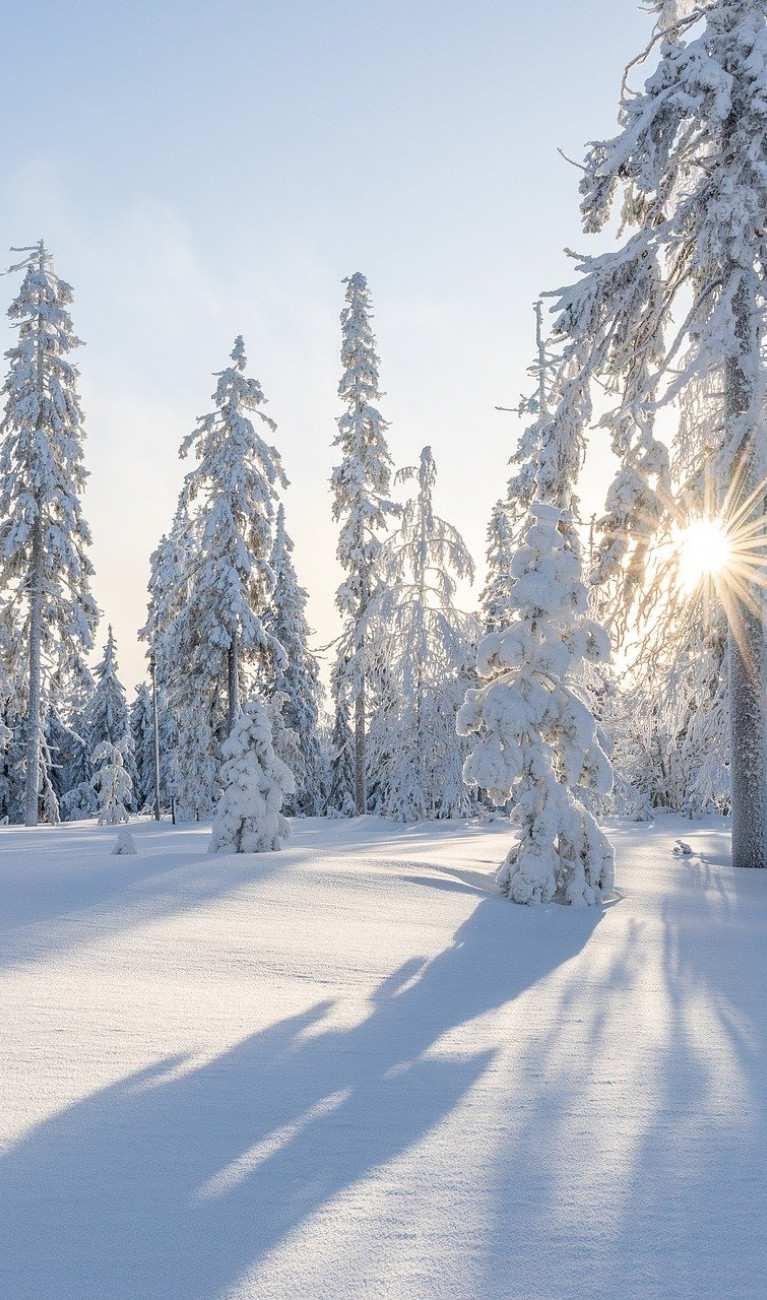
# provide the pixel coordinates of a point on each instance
(636, 1165)
(172, 1183)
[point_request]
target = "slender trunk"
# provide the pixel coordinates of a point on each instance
(32, 789)
(156, 728)
(745, 635)
(360, 755)
(234, 685)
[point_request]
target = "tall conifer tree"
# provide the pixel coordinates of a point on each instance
(360, 486)
(44, 567)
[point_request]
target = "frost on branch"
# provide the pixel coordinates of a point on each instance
(537, 738)
(254, 783)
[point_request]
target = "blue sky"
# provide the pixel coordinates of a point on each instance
(201, 171)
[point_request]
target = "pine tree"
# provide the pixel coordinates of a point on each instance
(196, 761)
(254, 783)
(230, 581)
(106, 719)
(494, 597)
(426, 645)
(296, 675)
(536, 736)
(682, 301)
(360, 486)
(341, 801)
(44, 567)
(539, 740)
(112, 782)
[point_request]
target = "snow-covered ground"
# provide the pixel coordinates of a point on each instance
(351, 1069)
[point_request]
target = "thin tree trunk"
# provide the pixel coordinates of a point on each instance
(234, 685)
(745, 635)
(32, 788)
(360, 753)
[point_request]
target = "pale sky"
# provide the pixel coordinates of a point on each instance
(202, 171)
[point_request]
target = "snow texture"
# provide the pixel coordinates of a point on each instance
(350, 1070)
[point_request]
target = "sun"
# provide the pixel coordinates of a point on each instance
(704, 549)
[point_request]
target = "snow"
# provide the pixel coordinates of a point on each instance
(352, 1069)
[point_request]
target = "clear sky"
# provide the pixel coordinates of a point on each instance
(206, 170)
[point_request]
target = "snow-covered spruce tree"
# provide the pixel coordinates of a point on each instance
(195, 764)
(684, 298)
(142, 736)
(341, 801)
(494, 597)
(106, 714)
(254, 783)
(44, 567)
(169, 568)
(415, 751)
(106, 720)
(113, 784)
(536, 736)
(233, 490)
(296, 676)
(360, 486)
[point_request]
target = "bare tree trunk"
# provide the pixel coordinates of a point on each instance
(745, 634)
(32, 787)
(234, 685)
(360, 754)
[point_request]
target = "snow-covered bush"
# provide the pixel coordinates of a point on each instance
(537, 738)
(112, 782)
(254, 783)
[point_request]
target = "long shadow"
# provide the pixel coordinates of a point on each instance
(174, 1182)
(51, 898)
(61, 885)
(637, 1167)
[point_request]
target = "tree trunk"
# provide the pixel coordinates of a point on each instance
(748, 749)
(32, 788)
(234, 685)
(360, 756)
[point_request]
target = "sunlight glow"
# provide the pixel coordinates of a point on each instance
(705, 549)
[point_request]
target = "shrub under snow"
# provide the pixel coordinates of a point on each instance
(254, 782)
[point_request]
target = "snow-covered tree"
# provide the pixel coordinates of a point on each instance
(427, 644)
(254, 783)
(494, 597)
(107, 711)
(538, 738)
(233, 490)
(112, 782)
(360, 486)
(170, 565)
(143, 739)
(682, 301)
(195, 762)
(341, 802)
(296, 676)
(44, 567)
(106, 722)
(142, 736)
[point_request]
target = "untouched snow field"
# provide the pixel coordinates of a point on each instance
(351, 1069)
